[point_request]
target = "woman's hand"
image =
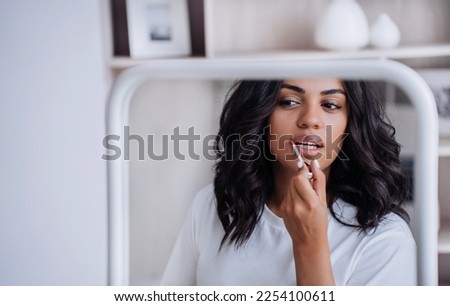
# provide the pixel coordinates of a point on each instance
(305, 214)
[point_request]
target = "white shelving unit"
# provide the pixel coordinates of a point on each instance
(400, 53)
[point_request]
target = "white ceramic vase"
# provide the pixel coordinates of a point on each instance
(384, 33)
(343, 26)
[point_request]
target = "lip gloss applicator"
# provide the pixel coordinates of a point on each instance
(300, 160)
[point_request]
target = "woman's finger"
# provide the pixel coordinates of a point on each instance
(319, 180)
(302, 185)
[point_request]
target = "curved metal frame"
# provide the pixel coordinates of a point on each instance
(425, 227)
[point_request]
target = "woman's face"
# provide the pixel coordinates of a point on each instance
(313, 114)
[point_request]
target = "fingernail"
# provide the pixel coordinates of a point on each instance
(316, 164)
(299, 164)
(310, 175)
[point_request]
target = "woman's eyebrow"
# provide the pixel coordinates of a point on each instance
(326, 92)
(293, 87)
(332, 92)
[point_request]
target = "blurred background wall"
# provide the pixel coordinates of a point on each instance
(53, 88)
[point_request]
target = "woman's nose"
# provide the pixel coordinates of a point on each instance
(309, 117)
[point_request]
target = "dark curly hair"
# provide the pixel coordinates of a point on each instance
(370, 178)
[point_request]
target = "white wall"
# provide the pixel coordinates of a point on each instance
(53, 85)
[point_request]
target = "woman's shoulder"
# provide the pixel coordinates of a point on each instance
(203, 205)
(390, 223)
(385, 255)
(206, 226)
(204, 198)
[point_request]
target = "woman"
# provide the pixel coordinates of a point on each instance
(266, 222)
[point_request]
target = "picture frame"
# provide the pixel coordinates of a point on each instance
(158, 28)
(438, 80)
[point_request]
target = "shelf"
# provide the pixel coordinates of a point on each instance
(123, 62)
(405, 52)
(444, 237)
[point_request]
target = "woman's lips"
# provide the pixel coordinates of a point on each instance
(309, 146)
(308, 150)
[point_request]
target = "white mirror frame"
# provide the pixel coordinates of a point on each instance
(425, 227)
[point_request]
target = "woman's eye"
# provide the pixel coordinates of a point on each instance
(288, 102)
(330, 105)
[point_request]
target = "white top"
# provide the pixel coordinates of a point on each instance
(386, 256)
